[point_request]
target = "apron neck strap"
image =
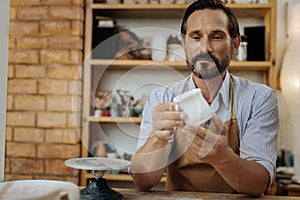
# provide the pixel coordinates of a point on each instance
(232, 107)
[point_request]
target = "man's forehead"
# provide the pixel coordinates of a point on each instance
(208, 18)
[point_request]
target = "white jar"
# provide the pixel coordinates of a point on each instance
(242, 51)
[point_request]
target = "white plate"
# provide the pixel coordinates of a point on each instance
(97, 163)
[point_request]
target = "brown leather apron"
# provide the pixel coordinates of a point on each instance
(188, 173)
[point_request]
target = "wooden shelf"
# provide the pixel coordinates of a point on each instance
(172, 6)
(180, 65)
(122, 177)
(172, 10)
(115, 119)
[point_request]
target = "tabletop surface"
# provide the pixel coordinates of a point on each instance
(130, 194)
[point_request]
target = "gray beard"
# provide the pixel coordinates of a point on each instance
(206, 72)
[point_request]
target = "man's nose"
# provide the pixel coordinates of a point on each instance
(205, 45)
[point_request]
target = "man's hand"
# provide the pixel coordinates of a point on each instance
(209, 143)
(166, 118)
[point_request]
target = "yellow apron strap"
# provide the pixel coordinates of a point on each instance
(232, 112)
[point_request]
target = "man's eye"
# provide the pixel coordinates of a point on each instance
(195, 37)
(217, 37)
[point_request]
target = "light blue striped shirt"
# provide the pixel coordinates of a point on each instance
(256, 111)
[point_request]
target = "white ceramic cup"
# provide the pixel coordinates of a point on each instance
(194, 106)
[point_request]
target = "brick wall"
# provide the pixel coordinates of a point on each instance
(45, 54)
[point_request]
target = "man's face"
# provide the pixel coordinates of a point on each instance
(208, 45)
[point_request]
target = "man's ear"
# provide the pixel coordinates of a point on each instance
(183, 41)
(236, 44)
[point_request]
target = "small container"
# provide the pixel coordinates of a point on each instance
(98, 113)
(242, 50)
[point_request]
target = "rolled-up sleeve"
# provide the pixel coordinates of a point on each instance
(259, 141)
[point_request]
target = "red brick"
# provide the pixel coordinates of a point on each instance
(11, 71)
(74, 120)
(76, 103)
(62, 72)
(8, 133)
(58, 178)
(64, 136)
(13, 177)
(32, 13)
(75, 87)
(32, 42)
(55, 27)
(25, 119)
(12, 43)
(58, 167)
(27, 166)
(13, 13)
(22, 86)
(28, 135)
(23, 28)
(30, 71)
(20, 149)
(54, 56)
(76, 57)
(23, 56)
(9, 102)
(53, 87)
(77, 28)
(25, 2)
(65, 42)
(59, 103)
(30, 102)
(57, 2)
(58, 151)
(7, 165)
(78, 2)
(51, 120)
(66, 12)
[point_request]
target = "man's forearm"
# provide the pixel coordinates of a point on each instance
(145, 181)
(244, 176)
(148, 164)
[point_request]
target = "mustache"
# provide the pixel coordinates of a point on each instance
(206, 56)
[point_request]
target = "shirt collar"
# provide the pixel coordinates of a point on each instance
(223, 94)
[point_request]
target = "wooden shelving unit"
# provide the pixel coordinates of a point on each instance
(152, 11)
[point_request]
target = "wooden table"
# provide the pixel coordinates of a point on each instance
(131, 194)
(290, 189)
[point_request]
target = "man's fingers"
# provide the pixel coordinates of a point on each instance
(167, 124)
(167, 107)
(165, 134)
(218, 123)
(198, 130)
(167, 115)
